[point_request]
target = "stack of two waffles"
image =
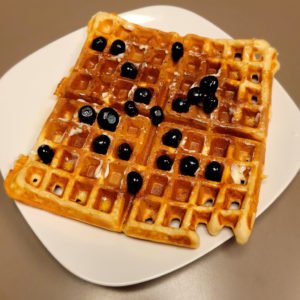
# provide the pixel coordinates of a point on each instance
(153, 134)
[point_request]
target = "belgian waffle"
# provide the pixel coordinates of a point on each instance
(245, 70)
(92, 187)
(80, 183)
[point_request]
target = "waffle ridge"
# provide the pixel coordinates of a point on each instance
(91, 187)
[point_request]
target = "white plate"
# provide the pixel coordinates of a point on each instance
(98, 255)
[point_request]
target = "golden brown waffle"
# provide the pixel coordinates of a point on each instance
(80, 183)
(170, 206)
(91, 187)
(245, 69)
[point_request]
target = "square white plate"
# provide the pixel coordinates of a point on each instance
(97, 255)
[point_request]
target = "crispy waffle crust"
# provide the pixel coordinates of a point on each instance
(92, 188)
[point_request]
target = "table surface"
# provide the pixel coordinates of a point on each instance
(267, 267)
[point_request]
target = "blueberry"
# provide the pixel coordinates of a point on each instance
(156, 115)
(87, 114)
(129, 70)
(108, 119)
(209, 84)
(180, 105)
(134, 182)
(45, 153)
(177, 51)
(172, 138)
(164, 162)
(210, 103)
(142, 95)
(124, 151)
(188, 166)
(130, 109)
(196, 95)
(117, 47)
(99, 43)
(213, 171)
(101, 143)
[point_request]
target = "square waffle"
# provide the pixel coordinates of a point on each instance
(82, 183)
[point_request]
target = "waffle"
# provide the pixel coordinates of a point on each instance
(244, 68)
(80, 183)
(90, 187)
